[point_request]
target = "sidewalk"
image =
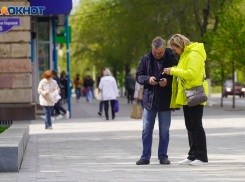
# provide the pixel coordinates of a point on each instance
(90, 149)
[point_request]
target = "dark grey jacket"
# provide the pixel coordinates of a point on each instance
(143, 75)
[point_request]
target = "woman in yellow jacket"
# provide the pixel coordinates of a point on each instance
(189, 73)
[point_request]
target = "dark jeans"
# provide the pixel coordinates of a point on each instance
(101, 105)
(106, 103)
(57, 107)
(78, 93)
(130, 95)
(48, 110)
(164, 119)
(196, 133)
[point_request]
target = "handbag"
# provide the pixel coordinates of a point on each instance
(141, 94)
(116, 106)
(136, 112)
(195, 95)
(99, 97)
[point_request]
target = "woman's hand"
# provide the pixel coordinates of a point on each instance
(47, 92)
(136, 100)
(166, 71)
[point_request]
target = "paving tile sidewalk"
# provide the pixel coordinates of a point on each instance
(94, 150)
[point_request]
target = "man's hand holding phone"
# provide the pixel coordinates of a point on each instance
(152, 81)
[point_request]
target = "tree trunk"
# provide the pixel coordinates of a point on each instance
(114, 72)
(233, 82)
(127, 70)
(222, 84)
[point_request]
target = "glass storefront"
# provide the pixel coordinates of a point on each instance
(44, 46)
(43, 30)
(43, 59)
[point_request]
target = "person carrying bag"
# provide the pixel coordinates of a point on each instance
(192, 95)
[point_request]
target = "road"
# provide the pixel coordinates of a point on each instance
(239, 102)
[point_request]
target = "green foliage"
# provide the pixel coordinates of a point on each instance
(216, 89)
(120, 80)
(2, 129)
(117, 33)
(227, 45)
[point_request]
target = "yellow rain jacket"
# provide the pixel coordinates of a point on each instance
(190, 70)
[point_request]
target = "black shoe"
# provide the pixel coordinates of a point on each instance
(113, 117)
(142, 162)
(107, 118)
(164, 160)
(99, 113)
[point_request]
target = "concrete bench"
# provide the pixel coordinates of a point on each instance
(13, 143)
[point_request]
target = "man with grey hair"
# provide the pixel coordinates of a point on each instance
(156, 98)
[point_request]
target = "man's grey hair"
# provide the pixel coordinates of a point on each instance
(158, 43)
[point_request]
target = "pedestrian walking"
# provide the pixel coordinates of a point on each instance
(57, 106)
(46, 86)
(88, 83)
(190, 73)
(137, 91)
(108, 86)
(129, 85)
(101, 102)
(78, 81)
(156, 98)
(63, 82)
(92, 88)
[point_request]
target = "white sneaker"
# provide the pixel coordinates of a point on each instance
(43, 117)
(67, 114)
(59, 117)
(197, 163)
(185, 162)
(52, 118)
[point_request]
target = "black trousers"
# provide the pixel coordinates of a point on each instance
(130, 95)
(196, 133)
(106, 104)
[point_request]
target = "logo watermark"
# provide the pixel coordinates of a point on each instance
(11, 10)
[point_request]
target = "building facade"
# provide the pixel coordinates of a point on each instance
(26, 52)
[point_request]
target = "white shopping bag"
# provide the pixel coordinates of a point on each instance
(99, 97)
(55, 96)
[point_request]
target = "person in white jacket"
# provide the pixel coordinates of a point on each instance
(108, 86)
(45, 87)
(136, 93)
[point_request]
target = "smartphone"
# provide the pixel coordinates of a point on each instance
(158, 80)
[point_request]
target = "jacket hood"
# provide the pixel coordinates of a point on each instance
(197, 47)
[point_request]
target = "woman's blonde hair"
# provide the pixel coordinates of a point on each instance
(179, 41)
(107, 72)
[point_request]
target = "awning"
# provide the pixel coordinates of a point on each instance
(54, 7)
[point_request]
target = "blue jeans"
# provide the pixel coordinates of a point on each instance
(88, 95)
(78, 93)
(48, 110)
(101, 106)
(141, 102)
(92, 91)
(164, 118)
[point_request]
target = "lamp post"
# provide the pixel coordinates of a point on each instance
(68, 65)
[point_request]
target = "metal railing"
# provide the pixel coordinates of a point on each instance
(6, 122)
